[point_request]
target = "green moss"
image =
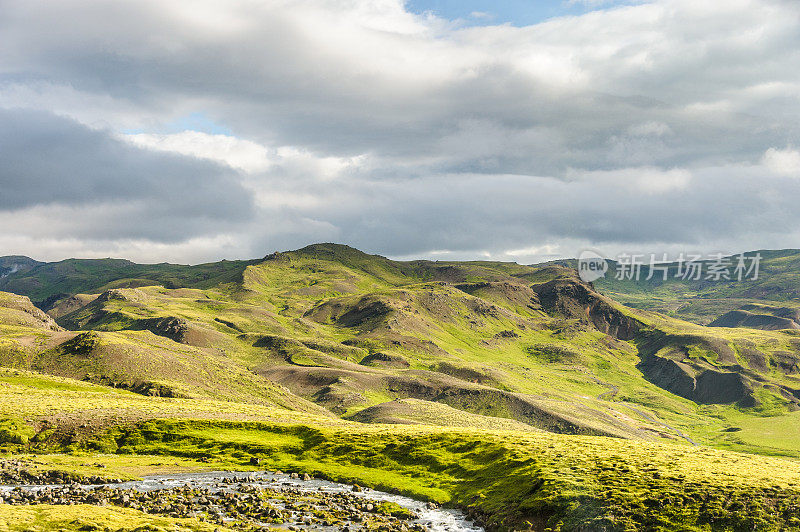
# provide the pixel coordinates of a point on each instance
(393, 509)
(82, 344)
(554, 353)
(82, 518)
(15, 431)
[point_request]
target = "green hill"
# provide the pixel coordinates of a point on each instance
(333, 339)
(44, 283)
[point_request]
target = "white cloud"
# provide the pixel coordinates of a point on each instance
(637, 181)
(481, 15)
(237, 153)
(783, 162)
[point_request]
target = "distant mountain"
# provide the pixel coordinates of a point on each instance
(16, 264)
(44, 283)
(702, 300)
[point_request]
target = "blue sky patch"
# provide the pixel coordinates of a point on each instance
(515, 12)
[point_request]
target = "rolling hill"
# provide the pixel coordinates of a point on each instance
(333, 338)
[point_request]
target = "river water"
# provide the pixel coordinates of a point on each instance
(431, 518)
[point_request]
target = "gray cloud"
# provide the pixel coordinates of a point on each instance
(105, 187)
(642, 125)
(723, 208)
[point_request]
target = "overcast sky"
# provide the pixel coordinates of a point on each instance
(190, 131)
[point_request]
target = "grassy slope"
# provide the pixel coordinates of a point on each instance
(316, 313)
(82, 517)
(602, 365)
(513, 477)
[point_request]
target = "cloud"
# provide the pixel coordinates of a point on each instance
(357, 121)
(61, 179)
(481, 15)
(783, 162)
(237, 153)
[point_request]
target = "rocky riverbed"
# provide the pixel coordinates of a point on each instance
(258, 501)
(19, 472)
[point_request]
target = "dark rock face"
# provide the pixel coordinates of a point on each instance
(573, 299)
(673, 376)
(718, 387)
(169, 327)
(706, 386)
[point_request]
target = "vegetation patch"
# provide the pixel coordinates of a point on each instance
(82, 345)
(15, 431)
(554, 353)
(510, 479)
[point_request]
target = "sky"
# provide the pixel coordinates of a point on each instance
(191, 131)
(513, 12)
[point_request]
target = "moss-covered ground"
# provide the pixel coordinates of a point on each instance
(516, 480)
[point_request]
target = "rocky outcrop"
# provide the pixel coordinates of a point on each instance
(706, 386)
(169, 327)
(571, 298)
(20, 311)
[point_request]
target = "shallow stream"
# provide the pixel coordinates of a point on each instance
(297, 499)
